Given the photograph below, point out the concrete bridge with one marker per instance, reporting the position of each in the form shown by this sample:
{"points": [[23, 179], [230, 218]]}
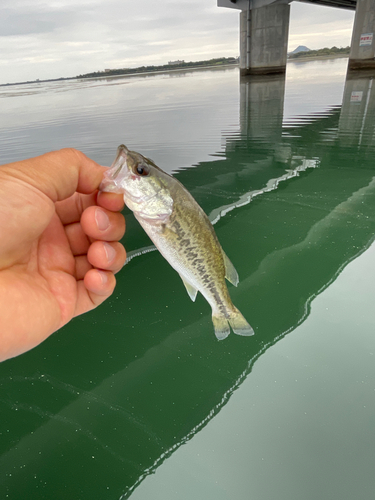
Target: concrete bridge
{"points": [[264, 28]]}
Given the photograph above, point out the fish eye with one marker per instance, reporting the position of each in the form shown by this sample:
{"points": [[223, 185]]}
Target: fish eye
{"points": [[142, 170]]}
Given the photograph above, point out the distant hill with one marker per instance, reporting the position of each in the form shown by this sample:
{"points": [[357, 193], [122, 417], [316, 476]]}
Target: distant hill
{"points": [[300, 48], [302, 51]]}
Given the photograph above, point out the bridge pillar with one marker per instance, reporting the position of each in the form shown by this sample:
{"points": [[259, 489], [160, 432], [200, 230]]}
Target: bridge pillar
{"points": [[264, 39], [357, 117], [362, 50]]}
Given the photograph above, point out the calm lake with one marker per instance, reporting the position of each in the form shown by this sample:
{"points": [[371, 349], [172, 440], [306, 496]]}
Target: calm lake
{"points": [[138, 399]]}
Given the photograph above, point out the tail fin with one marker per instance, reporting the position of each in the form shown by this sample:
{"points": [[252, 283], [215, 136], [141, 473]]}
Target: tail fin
{"points": [[238, 323], [221, 326]]}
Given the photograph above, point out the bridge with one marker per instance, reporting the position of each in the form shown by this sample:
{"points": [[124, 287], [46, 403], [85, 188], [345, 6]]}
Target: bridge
{"points": [[264, 28]]}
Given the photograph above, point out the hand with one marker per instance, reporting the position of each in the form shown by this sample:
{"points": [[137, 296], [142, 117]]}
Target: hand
{"points": [[59, 245]]}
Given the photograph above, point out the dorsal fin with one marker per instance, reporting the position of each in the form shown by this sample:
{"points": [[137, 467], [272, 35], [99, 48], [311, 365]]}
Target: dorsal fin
{"points": [[230, 271]]}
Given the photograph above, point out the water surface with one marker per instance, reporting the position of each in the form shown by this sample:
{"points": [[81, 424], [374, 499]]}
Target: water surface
{"points": [[138, 399]]}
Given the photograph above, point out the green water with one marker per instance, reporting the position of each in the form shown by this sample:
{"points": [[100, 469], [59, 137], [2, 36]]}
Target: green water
{"points": [[138, 399]]}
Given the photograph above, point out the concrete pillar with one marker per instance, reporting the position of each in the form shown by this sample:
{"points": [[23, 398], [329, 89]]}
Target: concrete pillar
{"points": [[362, 50], [357, 117], [264, 39], [261, 120], [262, 107]]}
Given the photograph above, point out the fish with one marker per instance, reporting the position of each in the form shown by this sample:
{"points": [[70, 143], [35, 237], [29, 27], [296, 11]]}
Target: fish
{"points": [[181, 231]]}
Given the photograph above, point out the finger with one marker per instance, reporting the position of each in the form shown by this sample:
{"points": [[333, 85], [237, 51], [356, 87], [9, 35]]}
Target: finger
{"points": [[71, 209], [111, 201], [95, 288], [78, 241], [108, 256], [82, 266], [101, 224], [58, 174]]}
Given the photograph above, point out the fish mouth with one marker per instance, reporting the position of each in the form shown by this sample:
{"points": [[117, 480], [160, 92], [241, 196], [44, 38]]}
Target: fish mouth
{"points": [[117, 173], [120, 161]]}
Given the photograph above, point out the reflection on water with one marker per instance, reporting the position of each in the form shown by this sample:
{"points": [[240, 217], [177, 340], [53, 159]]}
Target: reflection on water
{"points": [[292, 196], [175, 121]]}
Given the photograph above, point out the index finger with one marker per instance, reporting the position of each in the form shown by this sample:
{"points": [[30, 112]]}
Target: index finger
{"points": [[111, 201], [59, 174], [71, 209]]}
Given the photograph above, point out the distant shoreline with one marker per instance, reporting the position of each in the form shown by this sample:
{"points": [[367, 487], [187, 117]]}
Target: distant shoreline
{"points": [[317, 58], [158, 72], [164, 70], [223, 62]]}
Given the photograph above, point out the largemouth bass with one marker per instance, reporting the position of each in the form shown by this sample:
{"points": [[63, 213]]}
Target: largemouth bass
{"points": [[181, 231]]}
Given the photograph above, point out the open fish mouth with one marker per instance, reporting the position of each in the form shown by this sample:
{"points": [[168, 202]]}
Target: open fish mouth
{"points": [[119, 162], [117, 173]]}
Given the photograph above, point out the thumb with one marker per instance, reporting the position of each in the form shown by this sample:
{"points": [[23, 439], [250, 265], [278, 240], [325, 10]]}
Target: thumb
{"points": [[29, 190], [58, 174]]}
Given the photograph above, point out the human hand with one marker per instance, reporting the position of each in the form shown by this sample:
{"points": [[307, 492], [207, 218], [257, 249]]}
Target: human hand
{"points": [[59, 245]]}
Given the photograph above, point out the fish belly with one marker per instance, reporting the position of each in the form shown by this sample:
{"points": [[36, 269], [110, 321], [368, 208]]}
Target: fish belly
{"points": [[199, 263]]}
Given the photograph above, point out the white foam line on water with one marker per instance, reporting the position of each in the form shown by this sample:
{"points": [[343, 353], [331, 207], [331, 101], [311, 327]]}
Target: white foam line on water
{"points": [[245, 199], [271, 185]]}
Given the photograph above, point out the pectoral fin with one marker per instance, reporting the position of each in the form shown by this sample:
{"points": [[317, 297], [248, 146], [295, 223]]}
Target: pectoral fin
{"points": [[230, 272], [191, 290]]}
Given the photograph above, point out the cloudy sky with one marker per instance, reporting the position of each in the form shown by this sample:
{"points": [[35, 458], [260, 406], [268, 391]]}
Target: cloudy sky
{"points": [[54, 38]]}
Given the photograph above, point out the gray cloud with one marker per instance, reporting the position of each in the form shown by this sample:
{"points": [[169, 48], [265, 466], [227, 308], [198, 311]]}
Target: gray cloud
{"points": [[319, 26], [26, 22], [53, 38]]}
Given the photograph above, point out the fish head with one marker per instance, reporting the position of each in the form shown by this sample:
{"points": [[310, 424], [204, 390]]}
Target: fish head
{"points": [[144, 185]]}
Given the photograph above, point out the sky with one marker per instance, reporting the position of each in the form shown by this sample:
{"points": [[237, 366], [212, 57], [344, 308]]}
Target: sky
{"points": [[61, 38]]}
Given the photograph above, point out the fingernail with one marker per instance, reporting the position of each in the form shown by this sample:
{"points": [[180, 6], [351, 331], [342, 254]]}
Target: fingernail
{"points": [[109, 251], [102, 219], [103, 277]]}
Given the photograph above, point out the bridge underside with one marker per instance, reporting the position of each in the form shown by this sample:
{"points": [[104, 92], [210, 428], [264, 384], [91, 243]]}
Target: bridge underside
{"points": [[341, 4], [264, 29]]}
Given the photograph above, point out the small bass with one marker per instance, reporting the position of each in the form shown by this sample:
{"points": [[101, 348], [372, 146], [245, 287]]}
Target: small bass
{"points": [[182, 233]]}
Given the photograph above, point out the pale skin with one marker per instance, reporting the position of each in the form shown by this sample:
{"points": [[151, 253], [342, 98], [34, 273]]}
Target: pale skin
{"points": [[59, 245]]}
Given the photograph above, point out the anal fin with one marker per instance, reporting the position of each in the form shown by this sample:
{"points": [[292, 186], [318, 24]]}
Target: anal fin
{"points": [[191, 290]]}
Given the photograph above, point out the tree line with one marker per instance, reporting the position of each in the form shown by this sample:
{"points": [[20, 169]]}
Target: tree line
{"points": [[320, 52], [164, 67]]}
